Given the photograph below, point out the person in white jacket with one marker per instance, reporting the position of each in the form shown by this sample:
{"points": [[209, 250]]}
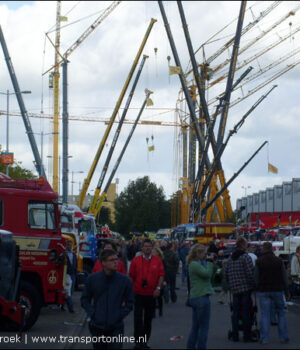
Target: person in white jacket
{"points": [[295, 264]]}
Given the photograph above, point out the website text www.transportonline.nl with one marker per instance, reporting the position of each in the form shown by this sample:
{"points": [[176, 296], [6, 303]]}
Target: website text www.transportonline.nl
{"points": [[62, 339]]}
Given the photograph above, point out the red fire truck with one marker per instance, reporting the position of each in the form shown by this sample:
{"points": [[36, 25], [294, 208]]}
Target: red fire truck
{"points": [[29, 209]]}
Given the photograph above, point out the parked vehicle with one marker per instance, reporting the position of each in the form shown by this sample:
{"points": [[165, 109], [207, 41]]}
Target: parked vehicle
{"points": [[88, 246], [206, 232], [30, 211], [163, 233]]}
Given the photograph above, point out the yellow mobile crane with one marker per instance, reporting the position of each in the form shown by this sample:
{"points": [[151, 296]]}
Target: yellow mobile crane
{"points": [[87, 181]]}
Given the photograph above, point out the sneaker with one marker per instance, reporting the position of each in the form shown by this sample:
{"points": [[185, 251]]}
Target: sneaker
{"points": [[263, 342], [284, 341]]}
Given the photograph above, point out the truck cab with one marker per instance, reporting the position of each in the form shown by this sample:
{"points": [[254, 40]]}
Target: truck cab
{"points": [[29, 209]]}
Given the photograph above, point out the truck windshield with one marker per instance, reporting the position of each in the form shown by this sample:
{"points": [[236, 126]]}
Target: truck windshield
{"points": [[41, 216], [85, 226]]}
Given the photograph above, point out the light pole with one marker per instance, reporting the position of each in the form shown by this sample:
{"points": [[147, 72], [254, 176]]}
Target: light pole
{"points": [[72, 182], [7, 93], [245, 188]]}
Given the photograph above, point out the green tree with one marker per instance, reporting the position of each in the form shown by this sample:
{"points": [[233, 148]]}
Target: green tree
{"points": [[142, 206], [16, 171]]}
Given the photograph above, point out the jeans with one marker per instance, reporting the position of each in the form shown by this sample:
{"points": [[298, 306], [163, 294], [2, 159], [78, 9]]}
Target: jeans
{"points": [[265, 300], [241, 310], [273, 314], [200, 323]]}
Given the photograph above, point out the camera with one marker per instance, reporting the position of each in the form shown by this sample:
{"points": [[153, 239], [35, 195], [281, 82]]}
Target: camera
{"points": [[144, 283]]}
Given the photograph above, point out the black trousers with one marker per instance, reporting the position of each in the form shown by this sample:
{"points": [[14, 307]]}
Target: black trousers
{"points": [[241, 310], [144, 307], [171, 285], [96, 332]]}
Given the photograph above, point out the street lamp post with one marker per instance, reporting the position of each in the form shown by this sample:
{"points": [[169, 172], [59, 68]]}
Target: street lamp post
{"points": [[245, 188], [7, 119]]}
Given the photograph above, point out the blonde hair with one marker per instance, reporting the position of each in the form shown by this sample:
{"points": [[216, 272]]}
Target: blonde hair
{"points": [[159, 252], [194, 252]]}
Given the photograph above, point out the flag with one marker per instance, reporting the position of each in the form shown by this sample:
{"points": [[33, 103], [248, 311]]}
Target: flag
{"points": [[174, 70], [272, 169], [151, 148], [149, 102], [63, 19]]}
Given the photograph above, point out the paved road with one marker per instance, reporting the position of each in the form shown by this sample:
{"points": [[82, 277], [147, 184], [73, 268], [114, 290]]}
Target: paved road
{"points": [[176, 321]]}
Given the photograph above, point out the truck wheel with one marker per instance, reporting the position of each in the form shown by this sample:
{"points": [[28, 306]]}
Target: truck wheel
{"points": [[31, 299]]}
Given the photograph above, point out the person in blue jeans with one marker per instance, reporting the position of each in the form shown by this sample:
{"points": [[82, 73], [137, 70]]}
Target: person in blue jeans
{"points": [[272, 283], [200, 275]]}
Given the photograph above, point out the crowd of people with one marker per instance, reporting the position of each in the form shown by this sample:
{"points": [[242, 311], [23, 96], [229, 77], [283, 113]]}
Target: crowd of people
{"points": [[140, 275]]}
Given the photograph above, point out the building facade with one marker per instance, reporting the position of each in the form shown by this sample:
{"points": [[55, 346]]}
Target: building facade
{"points": [[280, 198]]}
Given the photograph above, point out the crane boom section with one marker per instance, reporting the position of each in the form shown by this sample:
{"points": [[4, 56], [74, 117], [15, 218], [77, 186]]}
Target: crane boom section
{"points": [[116, 136], [261, 35], [86, 33], [115, 168], [38, 162], [229, 84], [114, 114], [245, 30]]}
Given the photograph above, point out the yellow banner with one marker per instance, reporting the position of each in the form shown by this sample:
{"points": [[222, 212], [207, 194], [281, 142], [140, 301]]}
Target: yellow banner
{"points": [[63, 19], [149, 102], [151, 148], [174, 70], [272, 169]]}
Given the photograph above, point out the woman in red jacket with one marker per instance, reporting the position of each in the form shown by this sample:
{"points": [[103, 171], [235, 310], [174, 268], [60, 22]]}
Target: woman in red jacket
{"points": [[98, 266]]}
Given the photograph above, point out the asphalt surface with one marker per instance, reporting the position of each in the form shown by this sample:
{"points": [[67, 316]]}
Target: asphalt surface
{"points": [[175, 322]]}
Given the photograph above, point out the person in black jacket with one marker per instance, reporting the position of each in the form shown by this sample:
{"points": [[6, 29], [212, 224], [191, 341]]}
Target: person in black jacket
{"points": [[171, 267], [272, 283], [107, 299]]}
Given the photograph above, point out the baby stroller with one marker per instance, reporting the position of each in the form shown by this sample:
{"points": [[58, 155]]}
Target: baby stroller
{"points": [[255, 334]]}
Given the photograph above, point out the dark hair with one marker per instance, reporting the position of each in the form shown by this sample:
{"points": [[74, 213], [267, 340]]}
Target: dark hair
{"points": [[267, 247], [110, 243], [241, 242], [147, 240], [105, 254], [298, 249]]}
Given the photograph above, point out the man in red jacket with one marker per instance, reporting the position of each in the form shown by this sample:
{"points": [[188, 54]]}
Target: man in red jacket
{"points": [[98, 266], [147, 275]]}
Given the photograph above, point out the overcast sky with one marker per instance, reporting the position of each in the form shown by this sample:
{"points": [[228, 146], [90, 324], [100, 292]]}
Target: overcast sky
{"points": [[98, 69]]}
